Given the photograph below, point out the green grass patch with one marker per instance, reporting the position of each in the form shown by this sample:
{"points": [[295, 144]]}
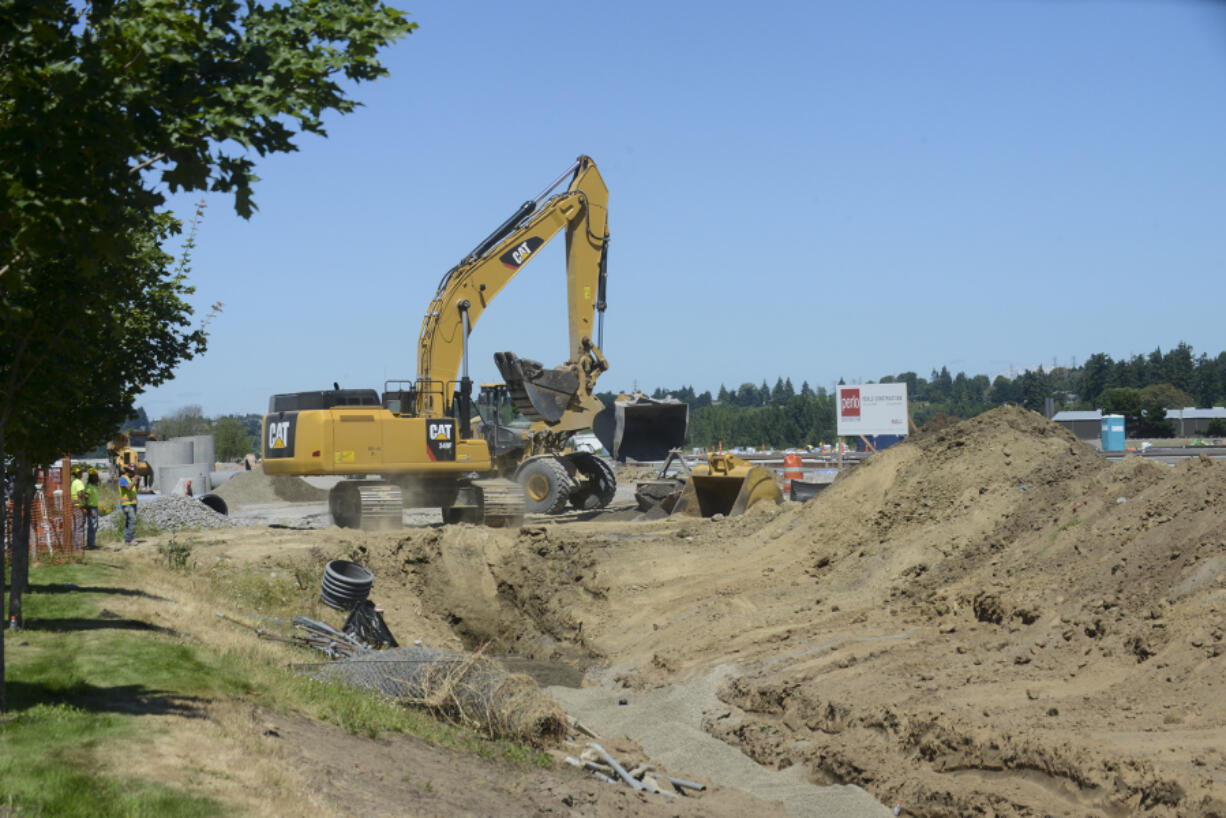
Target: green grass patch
{"points": [[79, 676], [49, 766]]}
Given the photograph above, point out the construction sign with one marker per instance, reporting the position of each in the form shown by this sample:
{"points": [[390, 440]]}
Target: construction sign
{"points": [[873, 409]]}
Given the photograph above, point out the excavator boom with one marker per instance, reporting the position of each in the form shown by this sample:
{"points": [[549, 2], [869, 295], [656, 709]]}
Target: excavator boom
{"points": [[581, 211]]}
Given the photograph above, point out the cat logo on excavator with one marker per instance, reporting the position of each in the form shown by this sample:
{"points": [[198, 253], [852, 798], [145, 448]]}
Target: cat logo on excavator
{"points": [[440, 440], [277, 434]]}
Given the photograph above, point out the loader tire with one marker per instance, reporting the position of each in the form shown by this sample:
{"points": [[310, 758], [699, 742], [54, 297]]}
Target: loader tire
{"points": [[547, 486], [600, 485]]}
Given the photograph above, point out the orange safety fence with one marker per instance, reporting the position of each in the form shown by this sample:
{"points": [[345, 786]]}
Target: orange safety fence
{"points": [[48, 538]]}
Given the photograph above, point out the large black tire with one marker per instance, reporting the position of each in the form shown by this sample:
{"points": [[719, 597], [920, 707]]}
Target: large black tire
{"points": [[547, 486], [600, 486]]}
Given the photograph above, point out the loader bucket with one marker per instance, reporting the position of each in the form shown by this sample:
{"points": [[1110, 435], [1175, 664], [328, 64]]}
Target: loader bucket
{"points": [[538, 393], [726, 485], [642, 428]]}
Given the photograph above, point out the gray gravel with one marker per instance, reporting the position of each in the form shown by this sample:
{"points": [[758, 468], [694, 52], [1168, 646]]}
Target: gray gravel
{"points": [[170, 512]]}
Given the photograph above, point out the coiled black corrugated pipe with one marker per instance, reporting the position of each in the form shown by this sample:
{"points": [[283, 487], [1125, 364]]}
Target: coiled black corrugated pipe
{"points": [[345, 584]]}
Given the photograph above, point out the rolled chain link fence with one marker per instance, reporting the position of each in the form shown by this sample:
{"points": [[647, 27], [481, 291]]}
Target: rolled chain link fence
{"points": [[466, 687]]}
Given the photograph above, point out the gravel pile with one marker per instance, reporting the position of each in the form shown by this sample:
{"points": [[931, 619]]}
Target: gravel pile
{"points": [[170, 512], [254, 487]]}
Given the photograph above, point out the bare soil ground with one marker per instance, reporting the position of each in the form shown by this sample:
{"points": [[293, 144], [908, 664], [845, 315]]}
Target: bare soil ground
{"points": [[989, 619]]}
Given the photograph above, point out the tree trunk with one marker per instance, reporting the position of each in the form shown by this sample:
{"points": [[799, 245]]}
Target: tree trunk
{"points": [[23, 503], [4, 497]]}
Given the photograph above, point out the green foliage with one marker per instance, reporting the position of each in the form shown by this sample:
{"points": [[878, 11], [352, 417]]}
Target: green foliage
{"points": [[177, 554], [95, 98], [97, 93], [1216, 428], [230, 438], [184, 422], [67, 342]]}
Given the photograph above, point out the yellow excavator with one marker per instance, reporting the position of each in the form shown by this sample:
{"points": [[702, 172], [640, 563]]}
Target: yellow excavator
{"points": [[421, 436]]}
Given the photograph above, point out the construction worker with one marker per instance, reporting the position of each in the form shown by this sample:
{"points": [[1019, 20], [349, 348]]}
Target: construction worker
{"points": [[90, 503], [77, 490], [127, 502]]}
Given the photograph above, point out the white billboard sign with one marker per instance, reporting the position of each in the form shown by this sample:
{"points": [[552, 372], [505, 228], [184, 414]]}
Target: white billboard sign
{"points": [[873, 409]]}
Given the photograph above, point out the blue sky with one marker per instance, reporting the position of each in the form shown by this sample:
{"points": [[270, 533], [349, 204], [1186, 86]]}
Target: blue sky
{"points": [[812, 190]]}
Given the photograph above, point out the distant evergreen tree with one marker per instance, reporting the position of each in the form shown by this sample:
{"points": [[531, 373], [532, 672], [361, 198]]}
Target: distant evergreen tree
{"points": [[1034, 390], [777, 396], [912, 381], [1179, 368]]}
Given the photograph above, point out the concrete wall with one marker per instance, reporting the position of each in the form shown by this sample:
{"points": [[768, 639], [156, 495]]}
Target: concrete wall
{"points": [[167, 477], [181, 457], [203, 450], [171, 452]]}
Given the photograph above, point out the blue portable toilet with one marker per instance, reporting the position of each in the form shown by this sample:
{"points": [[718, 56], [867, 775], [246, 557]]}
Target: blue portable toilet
{"points": [[1113, 433]]}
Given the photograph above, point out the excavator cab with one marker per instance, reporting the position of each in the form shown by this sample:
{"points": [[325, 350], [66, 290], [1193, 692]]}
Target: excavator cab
{"points": [[501, 425]]}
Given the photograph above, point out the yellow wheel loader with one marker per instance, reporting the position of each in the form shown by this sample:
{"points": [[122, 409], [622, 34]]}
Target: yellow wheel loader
{"points": [[419, 442], [128, 449]]}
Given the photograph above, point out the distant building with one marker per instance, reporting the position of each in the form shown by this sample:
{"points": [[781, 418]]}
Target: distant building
{"points": [[1086, 425], [1186, 422], [1190, 421]]}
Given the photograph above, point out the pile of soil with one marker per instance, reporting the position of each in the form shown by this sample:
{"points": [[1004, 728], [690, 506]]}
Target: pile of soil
{"points": [[1022, 628], [254, 487]]}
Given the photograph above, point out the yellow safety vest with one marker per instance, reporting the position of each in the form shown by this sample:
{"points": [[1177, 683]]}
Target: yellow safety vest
{"points": [[127, 491]]}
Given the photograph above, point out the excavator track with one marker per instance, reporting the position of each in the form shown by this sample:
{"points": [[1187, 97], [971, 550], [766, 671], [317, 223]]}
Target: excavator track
{"points": [[369, 505], [502, 500]]}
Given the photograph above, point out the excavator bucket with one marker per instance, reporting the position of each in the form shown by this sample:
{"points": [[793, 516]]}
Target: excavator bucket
{"points": [[641, 428], [726, 485], [538, 393]]}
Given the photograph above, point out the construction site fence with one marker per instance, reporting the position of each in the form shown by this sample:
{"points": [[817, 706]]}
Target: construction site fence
{"points": [[57, 525]]}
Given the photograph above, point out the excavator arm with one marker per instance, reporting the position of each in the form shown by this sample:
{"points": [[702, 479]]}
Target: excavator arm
{"points": [[563, 396]]}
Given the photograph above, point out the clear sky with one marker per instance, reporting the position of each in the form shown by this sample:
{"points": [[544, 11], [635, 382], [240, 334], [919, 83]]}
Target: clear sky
{"points": [[813, 190]]}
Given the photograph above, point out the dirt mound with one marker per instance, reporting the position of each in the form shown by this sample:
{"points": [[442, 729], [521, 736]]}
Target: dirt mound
{"points": [[917, 504], [1074, 604], [255, 487]]}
